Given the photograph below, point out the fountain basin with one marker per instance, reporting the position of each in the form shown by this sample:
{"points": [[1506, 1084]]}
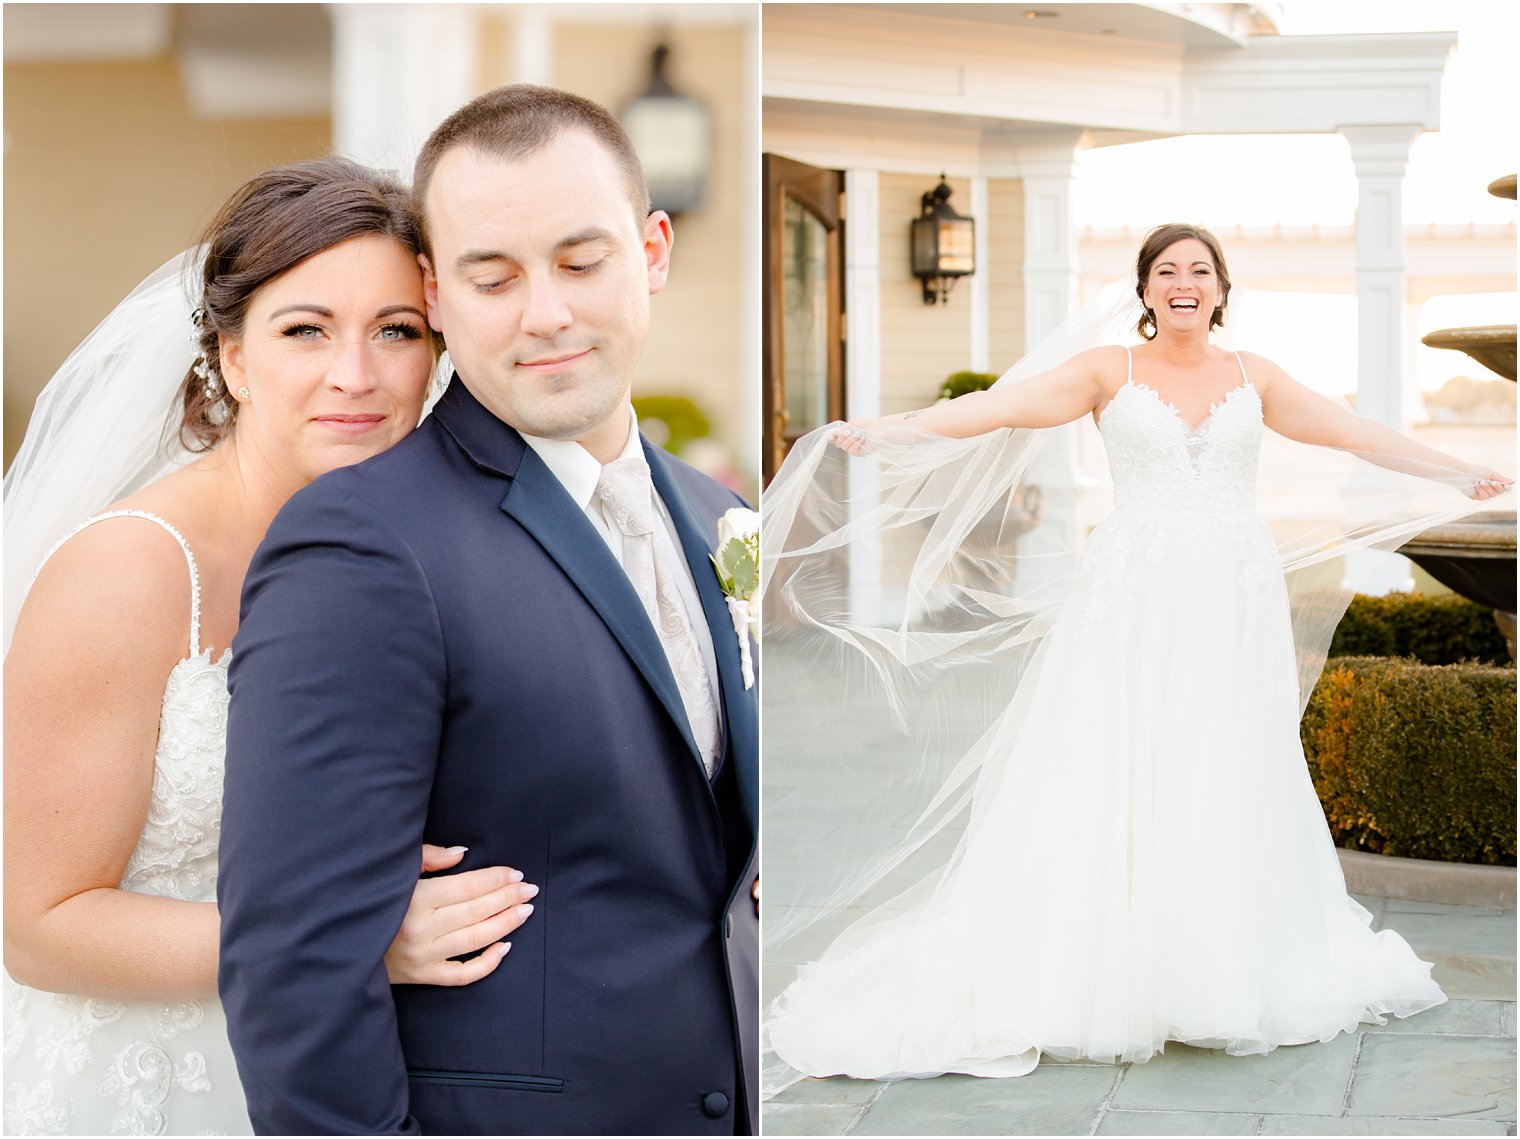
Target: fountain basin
{"points": [[1492, 345]]}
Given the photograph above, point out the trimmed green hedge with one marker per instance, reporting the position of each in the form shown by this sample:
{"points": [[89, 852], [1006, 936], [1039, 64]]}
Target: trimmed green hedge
{"points": [[1415, 760], [1433, 630], [959, 383]]}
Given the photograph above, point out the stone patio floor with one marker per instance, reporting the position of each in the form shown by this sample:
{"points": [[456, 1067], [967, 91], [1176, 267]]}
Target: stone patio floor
{"points": [[1448, 1071]]}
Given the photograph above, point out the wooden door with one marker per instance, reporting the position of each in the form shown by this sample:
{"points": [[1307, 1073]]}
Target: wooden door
{"points": [[804, 303]]}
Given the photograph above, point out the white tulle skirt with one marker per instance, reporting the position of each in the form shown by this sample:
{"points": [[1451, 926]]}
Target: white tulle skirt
{"points": [[1146, 859]]}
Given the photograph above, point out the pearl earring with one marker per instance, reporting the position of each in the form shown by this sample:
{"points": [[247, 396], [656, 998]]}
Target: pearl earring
{"points": [[243, 393]]}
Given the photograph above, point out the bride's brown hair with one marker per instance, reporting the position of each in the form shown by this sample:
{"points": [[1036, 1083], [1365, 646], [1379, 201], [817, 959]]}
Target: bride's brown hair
{"points": [[273, 222], [1157, 241]]}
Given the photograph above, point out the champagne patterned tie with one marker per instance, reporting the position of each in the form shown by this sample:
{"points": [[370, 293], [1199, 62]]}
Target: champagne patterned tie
{"points": [[626, 490]]}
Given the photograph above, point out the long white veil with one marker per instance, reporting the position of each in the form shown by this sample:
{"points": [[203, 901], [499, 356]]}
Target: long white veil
{"points": [[102, 427], [905, 594]]}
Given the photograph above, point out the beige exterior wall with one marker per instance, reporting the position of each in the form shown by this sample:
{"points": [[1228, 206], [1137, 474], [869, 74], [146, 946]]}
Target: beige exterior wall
{"points": [[694, 346], [920, 344], [107, 176], [1005, 273]]}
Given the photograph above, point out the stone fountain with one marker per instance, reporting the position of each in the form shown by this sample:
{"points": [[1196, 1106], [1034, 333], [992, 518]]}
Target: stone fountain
{"points": [[1476, 556]]}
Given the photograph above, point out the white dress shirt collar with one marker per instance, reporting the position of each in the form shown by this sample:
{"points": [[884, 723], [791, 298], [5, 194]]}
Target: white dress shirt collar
{"points": [[574, 466]]}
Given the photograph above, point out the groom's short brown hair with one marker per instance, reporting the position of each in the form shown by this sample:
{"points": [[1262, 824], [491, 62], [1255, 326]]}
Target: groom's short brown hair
{"points": [[516, 120]]}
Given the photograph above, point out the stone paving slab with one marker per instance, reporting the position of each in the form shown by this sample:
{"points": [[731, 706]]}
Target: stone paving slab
{"points": [[1053, 1100], [807, 1119], [1178, 1123], [1309, 1079], [1485, 934], [1454, 1018], [1473, 977], [1471, 1077], [834, 1090], [1380, 1125]]}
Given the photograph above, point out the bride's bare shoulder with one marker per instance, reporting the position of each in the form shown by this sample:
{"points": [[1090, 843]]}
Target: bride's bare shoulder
{"points": [[1261, 371]]}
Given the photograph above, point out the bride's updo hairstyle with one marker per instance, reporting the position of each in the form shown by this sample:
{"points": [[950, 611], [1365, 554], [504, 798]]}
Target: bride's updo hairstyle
{"points": [[1155, 243], [270, 225]]}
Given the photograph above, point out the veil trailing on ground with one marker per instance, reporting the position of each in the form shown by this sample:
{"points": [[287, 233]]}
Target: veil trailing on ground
{"points": [[103, 427], [905, 597]]}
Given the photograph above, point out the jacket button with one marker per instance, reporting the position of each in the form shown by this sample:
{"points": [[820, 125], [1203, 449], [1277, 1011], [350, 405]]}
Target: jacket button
{"points": [[714, 1105]]}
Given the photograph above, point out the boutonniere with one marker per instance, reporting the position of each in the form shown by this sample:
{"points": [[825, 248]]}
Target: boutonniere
{"points": [[738, 565]]}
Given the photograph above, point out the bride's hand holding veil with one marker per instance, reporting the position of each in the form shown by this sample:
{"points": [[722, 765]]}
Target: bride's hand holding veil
{"points": [[1299, 413]]}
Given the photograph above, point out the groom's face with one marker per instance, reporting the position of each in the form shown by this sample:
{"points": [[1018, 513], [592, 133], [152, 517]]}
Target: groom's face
{"points": [[540, 282]]}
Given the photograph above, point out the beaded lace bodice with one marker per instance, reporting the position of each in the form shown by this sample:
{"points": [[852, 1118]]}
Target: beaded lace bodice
{"points": [[1160, 462], [77, 1064], [1169, 474]]}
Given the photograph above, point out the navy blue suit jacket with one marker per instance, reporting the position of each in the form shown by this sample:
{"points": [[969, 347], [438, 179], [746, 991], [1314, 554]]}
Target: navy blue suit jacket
{"points": [[436, 645]]}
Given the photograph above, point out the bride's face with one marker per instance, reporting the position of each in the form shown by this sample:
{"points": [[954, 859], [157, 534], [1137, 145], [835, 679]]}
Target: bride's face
{"points": [[1182, 287], [335, 358]]}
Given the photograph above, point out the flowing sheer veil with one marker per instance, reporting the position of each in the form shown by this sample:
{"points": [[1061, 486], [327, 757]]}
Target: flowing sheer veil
{"points": [[905, 597], [102, 428]]}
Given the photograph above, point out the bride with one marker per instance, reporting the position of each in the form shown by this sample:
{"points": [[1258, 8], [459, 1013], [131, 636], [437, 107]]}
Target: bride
{"points": [[310, 351], [1069, 814]]}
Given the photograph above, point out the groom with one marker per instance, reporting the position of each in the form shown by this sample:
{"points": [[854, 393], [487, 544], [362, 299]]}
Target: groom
{"points": [[504, 633]]}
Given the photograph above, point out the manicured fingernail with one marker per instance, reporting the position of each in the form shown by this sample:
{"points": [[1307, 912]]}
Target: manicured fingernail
{"points": [[514, 875], [526, 909], [529, 891], [506, 947], [455, 849]]}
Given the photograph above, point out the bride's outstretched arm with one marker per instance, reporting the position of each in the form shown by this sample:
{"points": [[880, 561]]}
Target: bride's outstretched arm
{"points": [[1295, 411], [1066, 392]]}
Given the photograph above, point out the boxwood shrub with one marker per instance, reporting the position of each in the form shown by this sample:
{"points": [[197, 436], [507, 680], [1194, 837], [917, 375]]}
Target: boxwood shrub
{"points": [[1433, 630], [1415, 760]]}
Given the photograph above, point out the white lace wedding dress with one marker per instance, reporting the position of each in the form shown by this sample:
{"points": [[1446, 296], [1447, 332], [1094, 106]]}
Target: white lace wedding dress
{"points": [[82, 1066], [1146, 859]]}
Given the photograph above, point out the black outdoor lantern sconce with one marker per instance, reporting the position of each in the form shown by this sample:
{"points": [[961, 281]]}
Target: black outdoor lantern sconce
{"points": [[944, 244], [673, 135]]}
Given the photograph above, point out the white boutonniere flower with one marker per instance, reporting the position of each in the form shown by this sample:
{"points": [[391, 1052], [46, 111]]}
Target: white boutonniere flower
{"points": [[738, 566]]}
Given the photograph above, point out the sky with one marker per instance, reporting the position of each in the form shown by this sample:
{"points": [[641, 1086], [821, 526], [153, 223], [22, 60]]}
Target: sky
{"points": [[1301, 180]]}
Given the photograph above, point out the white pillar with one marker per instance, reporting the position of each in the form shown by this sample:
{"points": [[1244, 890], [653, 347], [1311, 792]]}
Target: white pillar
{"points": [[981, 290], [1050, 279], [862, 292], [398, 71], [532, 45], [1380, 155], [751, 335], [862, 373]]}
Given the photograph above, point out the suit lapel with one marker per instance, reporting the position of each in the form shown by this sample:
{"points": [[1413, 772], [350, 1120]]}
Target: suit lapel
{"points": [[540, 505], [697, 545]]}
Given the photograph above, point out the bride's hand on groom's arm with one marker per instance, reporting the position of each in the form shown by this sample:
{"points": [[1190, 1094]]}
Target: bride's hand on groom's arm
{"points": [[456, 914]]}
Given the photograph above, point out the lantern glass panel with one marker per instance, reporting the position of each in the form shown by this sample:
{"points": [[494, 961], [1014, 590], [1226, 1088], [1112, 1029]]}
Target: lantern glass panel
{"points": [[957, 247]]}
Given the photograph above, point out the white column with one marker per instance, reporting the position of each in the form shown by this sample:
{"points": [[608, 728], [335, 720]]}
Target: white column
{"points": [[862, 292], [1050, 279], [1380, 155], [751, 334], [398, 71], [862, 373], [532, 45], [981, 290]]}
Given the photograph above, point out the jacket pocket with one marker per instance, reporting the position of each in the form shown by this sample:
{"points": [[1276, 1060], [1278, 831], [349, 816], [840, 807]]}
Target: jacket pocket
{"points": [[485, 1080]]}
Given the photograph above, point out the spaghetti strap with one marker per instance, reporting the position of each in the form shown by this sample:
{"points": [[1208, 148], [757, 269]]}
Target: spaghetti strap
{"points": [[1129, 365], [195, 577], [1241, 364]]}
